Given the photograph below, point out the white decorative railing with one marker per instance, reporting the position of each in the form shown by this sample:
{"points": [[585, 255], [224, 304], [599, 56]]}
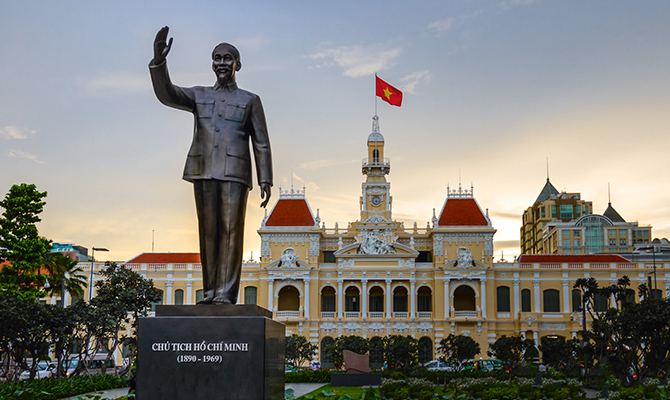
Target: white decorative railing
{"points": [[503, 315], [550, 266], [327, 314], [351, 314], [600, 266], [525, 265], [288, 314], [179, 266], [465, 314], [399, 315], [376, 314], [425, 314]]}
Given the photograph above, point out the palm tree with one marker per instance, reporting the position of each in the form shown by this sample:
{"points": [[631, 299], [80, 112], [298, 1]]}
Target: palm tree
{"points": [[62, 268]]}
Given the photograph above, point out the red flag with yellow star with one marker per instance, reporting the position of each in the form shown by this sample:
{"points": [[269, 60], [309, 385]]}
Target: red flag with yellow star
{"points": [[388, 93]]}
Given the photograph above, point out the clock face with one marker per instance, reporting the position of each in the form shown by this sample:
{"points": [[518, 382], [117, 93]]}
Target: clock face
{"points": [[376, 200]]}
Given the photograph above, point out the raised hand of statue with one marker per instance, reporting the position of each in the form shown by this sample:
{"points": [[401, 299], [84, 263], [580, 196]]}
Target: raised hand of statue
{"points": [[265, 194], [161, 47]]}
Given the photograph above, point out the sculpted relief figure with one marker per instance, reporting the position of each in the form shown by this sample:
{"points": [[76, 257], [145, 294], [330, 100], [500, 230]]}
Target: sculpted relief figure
{"points": [[289, 258], [464, 257], [227, 119]]}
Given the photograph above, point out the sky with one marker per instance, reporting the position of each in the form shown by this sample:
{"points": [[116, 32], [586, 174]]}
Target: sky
{"points": [[493, 92]]}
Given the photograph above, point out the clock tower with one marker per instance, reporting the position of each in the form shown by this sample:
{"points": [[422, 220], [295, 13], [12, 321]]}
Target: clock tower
{"points": [[376, 199]]}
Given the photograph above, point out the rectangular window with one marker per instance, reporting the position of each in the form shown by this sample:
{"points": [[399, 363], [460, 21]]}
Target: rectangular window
{"points": [[329, 256], [566, 211], [578, 211], [566, 242], [525, 300], [576, 233], [565, 233], [622, 242], [622, 232], [612, 242], [646, 234], [601, 302], [250, 295], [611, 232], [576, 242], [503, 298], [576, 300], [552, 301], [553, 211], [578, 251], [542, 212]]}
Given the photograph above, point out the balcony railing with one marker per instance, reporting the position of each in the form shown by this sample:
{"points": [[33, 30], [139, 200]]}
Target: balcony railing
{"points": [[288, 314], [425, 314], [376, 314], [466, 314], [400, 315], [327, 314], [352, 314]]}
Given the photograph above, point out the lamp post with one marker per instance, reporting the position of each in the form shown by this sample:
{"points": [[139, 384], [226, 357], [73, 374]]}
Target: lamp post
{"points": [[90, 285]]}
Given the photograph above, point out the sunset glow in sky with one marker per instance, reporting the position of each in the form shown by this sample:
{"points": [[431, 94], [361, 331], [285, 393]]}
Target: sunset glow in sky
{"points": [[492, 89]]}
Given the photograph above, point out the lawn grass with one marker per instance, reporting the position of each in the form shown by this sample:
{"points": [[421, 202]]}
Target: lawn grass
{"points": [[354, 392]]}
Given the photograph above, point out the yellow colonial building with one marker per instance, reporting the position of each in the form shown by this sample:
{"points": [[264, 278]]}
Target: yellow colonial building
{"points": [[376, 277]]}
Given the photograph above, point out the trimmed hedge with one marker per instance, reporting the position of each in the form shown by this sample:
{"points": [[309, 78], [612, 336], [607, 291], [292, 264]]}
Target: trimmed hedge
{"points": [[54, 389]]}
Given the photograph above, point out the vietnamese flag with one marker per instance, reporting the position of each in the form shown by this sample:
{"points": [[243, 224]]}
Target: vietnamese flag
{"points": [[388, 93]]}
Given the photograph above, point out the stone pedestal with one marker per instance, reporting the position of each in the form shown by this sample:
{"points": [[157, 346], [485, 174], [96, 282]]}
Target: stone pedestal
{"points": [[210, 352]]}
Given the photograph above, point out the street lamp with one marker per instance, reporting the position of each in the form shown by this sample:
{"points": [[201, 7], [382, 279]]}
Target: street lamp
{"points": [[90, 286]]}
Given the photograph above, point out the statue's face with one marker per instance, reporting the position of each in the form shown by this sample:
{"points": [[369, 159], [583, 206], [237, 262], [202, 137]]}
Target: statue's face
{"points": [[224, 65]]}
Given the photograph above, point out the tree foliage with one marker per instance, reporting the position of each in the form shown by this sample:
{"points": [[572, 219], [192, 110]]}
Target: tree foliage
{"points": [[21, 247], [458, 349], [510, 349], [402, 350], [353, 343], [62, 269], [299, 350]]}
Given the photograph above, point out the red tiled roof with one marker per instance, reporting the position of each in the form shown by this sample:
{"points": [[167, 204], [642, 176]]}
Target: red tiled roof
{"points": [[290, 212], [572, 258], [166, 258], [462, 212]]}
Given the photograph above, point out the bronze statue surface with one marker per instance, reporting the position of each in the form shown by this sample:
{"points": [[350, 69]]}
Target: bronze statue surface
{"points": [[218, 164]]}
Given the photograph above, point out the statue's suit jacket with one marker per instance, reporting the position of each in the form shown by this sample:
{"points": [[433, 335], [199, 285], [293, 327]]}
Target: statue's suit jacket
{"points": [[226, 118]]}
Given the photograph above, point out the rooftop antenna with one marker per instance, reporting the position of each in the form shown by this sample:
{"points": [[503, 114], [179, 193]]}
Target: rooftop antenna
{"points": [[152, 240], [609, 198], [547, 168]]}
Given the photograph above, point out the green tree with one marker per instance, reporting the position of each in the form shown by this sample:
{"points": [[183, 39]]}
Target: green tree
{"points": [[299, 350], [353, 343], [458, 349], [510, 350], [558, 352], [61, 268], [20, 244], [401, 350], [121, 298]]}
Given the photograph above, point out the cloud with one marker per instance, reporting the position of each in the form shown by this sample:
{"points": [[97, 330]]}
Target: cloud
{"points": [[507, 4], [505, 215], [117, 83], [23, 154], [358, 60], [16, 132], [414, 78], [443, 25]]}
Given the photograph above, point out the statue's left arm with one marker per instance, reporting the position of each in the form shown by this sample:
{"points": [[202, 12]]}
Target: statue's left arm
{"points": [[260, 142]]}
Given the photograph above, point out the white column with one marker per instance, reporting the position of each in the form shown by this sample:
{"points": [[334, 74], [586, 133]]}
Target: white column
{"points": [[271, 294], [446, 298], [516, 298], [65, 296], [389, 296], [168, 292], [482, 285], [364, 299], [340, 299], [305, 296], [412, 302], [189, 292], [536, 292], [566, 295], [536, 338]]}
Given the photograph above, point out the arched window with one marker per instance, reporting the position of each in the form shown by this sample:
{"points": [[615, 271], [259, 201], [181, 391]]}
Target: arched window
{"points": [[552, 301], [525, 300], [160, 301], [375, 156], [601, 302], [326, 356], [576, 300], [289, 299], [352, 299], [178, 297], [400, 299], [199, 295], [328, 299], [503, 298], [250, 295], [425, 349], [464, 299], [424, 300], [376, 299]]}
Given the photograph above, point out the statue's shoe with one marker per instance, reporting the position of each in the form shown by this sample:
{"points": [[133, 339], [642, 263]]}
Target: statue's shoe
{"points": [[206, 300], [222, 300]]}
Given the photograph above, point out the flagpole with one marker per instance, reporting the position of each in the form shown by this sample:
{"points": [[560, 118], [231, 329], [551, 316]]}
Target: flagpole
{"points": [[375, 93]]}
